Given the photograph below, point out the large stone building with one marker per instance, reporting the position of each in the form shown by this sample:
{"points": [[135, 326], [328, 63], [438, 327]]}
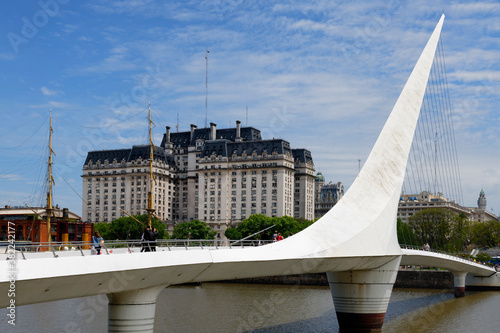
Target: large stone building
{"points": [[220, 176], [325, 195], [410, 204]]}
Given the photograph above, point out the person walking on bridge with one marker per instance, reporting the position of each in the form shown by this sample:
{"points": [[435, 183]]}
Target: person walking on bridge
{"points": [[146, 239], [154, 236], [97, 240]]}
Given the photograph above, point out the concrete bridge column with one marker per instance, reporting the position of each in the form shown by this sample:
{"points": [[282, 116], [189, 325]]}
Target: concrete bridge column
{"points": [[361, 297], [459, 279], [133, 311]]}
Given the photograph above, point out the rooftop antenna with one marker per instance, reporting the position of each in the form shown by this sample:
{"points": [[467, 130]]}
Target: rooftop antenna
{"points": [[246, 120], [359, 165], [177, 126], [206, 86]]}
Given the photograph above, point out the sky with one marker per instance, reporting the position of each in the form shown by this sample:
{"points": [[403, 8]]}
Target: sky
{"points": [[323, 75]]}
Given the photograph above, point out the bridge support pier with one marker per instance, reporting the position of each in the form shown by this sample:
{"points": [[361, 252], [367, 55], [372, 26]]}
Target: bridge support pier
{"points": [[133, 311], [361, 297], [459, 283]]}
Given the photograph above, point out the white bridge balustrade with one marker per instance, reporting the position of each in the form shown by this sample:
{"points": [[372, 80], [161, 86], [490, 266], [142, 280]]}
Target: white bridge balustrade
{"points": [[355, 243], [26, 250], [465, 271]]}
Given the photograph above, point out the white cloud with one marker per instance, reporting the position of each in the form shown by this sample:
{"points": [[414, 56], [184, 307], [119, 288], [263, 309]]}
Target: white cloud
{"points": [[11, 177], [48, 92], [476, 8], [7, 56], [85, 39], [117, 61], [54, 104], [485, 76]]}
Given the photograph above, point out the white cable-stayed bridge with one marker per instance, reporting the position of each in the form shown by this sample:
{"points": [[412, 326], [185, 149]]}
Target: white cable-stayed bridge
{"points": [[355, 243]]}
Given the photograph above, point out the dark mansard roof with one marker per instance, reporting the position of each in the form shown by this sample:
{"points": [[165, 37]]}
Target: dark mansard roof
{"points": [[183, 139], [227, 148], [303, 155], [129, 154]]}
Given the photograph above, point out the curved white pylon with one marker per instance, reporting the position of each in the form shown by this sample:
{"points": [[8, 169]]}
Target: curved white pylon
{"points": [[363, 221]]}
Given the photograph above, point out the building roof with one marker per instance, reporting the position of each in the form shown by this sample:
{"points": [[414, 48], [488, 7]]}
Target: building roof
{"points": [[227, 148], [183, 139], [302, 154], [129, 154], [319, 178], [17, 212]]}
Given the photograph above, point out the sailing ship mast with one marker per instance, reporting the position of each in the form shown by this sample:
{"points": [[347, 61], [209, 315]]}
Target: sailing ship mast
{"points": [[49, 209], [150, 208]]}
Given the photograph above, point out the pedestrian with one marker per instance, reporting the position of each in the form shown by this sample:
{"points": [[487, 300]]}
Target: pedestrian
{"points": [[427, 247], [275, 235], [279, 237], [154, 236], [146, 239], [98, 241]]}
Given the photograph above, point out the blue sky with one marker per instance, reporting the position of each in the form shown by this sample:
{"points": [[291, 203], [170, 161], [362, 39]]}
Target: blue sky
{"points": [[323, 75]]}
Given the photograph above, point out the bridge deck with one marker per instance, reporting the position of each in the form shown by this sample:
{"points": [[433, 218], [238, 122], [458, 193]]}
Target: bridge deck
{"points": [[412, 256]]}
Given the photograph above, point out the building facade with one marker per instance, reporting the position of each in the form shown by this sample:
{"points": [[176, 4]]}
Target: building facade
{"points": [[325, 195], [30, 224], [410, 204], [217, 176]]}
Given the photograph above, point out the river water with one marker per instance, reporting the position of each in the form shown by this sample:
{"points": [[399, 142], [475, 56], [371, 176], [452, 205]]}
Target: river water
{"points": [[227, 307]]}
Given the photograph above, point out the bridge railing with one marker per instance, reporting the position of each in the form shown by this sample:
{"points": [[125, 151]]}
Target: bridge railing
{"points": [[127, 246], [444, 253]]}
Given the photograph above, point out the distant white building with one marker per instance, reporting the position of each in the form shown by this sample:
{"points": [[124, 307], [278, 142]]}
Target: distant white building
{"points": [[410, 204]]}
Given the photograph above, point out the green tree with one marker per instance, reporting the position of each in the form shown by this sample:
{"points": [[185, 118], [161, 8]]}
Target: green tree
{"points": [[285, 225], [432, 226], [257, 222], [459, 236], [406, 234], [303, 223], [193, 230], [128, 228], [484, 257], [233, 234], [486, 234]]}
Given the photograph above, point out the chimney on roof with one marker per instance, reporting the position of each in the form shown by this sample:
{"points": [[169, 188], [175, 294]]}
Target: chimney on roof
{"points": [[238, 131], [167, 139], [65, 213], [193, 127], [213, 131], [167, 145]]}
